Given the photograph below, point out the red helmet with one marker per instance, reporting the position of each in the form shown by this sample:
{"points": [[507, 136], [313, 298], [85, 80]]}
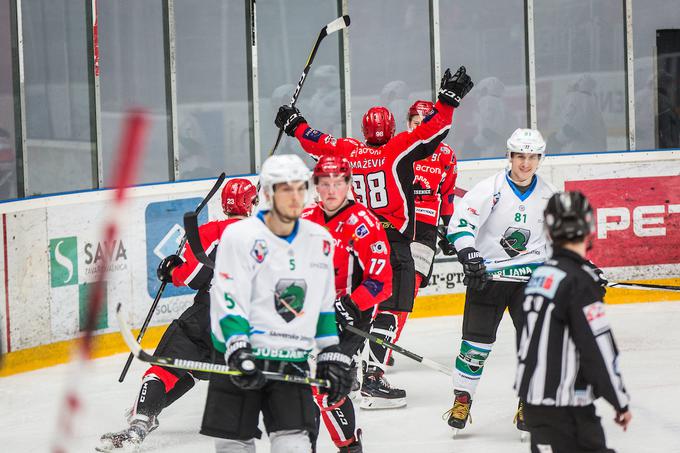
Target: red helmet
{"points": [[332, 166], [238, 197], [421, 108], [378, 125]]}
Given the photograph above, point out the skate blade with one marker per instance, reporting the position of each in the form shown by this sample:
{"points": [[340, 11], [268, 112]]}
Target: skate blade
{"points": [[355, 395], [524, 436], [371, 403], [107, 446], [454, 432]]}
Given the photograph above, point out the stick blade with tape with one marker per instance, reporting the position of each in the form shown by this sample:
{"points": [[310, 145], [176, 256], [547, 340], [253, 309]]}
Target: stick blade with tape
{"points": [[338, 24]]}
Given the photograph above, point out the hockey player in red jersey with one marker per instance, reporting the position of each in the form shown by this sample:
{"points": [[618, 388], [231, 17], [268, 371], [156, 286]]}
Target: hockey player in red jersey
{"points": [[187, 337], [435, 181], [363, 276], [433, 187], [382, 180]]}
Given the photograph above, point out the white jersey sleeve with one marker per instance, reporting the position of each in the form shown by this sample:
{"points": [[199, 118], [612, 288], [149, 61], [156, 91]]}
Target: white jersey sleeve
{"points": [[471, 212]]}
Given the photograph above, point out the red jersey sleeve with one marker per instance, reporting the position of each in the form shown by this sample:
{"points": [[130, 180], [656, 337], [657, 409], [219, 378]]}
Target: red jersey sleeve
{"points": [[373, 252], [448, 185], [319, 144], [192, 273], [423, 141]]}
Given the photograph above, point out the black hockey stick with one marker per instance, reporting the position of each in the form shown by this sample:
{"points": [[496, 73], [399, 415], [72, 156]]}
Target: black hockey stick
{"points": [[192, 365], [194, 239], [642, 286], [338, 24], [424, 360], [159, 293]]}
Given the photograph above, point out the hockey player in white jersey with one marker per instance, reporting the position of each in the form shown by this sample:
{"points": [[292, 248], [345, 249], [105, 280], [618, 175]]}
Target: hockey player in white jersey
{"points": [[271, 304], [497, 228]]}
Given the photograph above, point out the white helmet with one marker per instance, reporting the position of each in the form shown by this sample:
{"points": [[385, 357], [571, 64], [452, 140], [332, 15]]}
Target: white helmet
{"points": [[281, 168], [526, 141]]}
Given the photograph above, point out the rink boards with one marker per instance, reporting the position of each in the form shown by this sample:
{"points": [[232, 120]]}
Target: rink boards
{"points": [[51, 250]]}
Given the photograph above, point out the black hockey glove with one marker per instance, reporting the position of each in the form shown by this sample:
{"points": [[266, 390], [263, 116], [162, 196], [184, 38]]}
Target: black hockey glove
{"points": [[334, 365], [602, 280], [167, 264], [288, 119], [473, 267], [346, 311], [240, 358], [453, 88]]}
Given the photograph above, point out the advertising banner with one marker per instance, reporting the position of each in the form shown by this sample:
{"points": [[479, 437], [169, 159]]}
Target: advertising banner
{"points": [[638, 219]]}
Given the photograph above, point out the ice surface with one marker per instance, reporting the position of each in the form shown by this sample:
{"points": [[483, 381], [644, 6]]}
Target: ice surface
{"points": [[648, 336]]}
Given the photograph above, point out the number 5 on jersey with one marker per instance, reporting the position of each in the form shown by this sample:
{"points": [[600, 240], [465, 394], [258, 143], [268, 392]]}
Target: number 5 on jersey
{"points": [[374, 184]]}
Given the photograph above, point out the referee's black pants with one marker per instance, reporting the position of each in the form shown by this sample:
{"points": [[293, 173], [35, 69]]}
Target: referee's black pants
{"points": [[565, 429]]}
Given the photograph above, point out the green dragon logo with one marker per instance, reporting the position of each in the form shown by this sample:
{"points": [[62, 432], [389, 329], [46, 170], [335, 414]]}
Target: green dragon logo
{"points": [[515, 240], [289, 298]]}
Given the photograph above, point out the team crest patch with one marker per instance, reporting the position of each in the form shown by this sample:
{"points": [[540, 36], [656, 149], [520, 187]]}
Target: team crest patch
{"points": [[515, 240], [352, 220], [326, 247], [361, 231], [289, 298], [259, 250]]}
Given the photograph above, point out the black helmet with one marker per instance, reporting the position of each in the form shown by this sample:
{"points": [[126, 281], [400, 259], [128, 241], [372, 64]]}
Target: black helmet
{"points": [[569, 217]]}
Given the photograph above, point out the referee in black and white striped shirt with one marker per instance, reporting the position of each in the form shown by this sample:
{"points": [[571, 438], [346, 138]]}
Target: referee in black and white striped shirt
{"points": [[567, 354]]}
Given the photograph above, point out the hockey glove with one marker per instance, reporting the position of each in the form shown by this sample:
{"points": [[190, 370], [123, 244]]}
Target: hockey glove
{"points": [[334, 365], [473, 267], [601, 279], [288, 119], [453, 88], [240, 358], [165, 268], [346, 311], [445, 245]]}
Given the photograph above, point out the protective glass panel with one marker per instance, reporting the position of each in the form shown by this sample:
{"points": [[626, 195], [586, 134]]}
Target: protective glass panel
{"points": [[8, 167], [391, 64], [488, 39], [132, 76], [657, 77], [212, 88], [580, 78], [59, 142], [285, 39]]}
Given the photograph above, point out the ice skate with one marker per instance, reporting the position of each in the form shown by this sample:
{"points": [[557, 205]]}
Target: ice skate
{"points": [[355, 446], [519, 422], [128, 440], [130, 416], [460, 412], [377, 393]]}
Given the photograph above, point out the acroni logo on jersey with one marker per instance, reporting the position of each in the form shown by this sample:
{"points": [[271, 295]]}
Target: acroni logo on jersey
{"points": [[164, 232], [289, 298]]}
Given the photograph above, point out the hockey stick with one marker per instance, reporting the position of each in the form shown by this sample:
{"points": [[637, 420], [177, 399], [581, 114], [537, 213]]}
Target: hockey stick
{"points": [[338, 24], [192, 365], [135, 128], [424, 360], [641, 286], [194, 239], [159, 293]]}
